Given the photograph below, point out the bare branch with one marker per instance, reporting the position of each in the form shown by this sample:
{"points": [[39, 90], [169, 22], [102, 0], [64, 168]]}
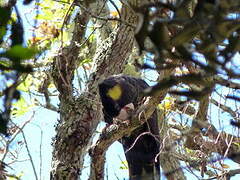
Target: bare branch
{"points": [[29, 154], [115, 6], [224, 108], [19, 129], [105, 19], [167, 160], [226, 83]]}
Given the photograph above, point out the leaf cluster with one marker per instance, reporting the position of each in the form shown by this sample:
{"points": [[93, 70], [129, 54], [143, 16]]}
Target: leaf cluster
{"points": [[201, 36], [13, 58]]}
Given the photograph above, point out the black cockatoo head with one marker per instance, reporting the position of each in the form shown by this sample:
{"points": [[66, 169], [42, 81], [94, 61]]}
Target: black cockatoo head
{"points": [[117, 91]]}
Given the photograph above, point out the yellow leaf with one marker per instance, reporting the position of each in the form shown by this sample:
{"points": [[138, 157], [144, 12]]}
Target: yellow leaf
{"points": [[225, 166], [115, 93], [21, 107], [160, 106], [167, 105], [114, 14], [15, 177], [124, 165], [20, 174], [11, 178]]}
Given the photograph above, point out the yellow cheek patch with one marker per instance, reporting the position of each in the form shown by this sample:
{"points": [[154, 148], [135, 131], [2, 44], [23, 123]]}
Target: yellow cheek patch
{"points": [[115, 92]]}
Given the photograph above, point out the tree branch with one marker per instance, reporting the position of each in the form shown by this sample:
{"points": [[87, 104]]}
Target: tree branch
{"points": [[224, 108]]}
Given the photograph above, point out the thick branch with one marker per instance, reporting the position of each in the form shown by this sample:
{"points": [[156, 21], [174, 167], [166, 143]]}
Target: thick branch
{"points": [[66, 62], [169, 163], [201, 117], [64, 163]]}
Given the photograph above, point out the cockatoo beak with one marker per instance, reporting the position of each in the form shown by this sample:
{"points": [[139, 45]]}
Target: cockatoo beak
{"points": [[125, 112]]}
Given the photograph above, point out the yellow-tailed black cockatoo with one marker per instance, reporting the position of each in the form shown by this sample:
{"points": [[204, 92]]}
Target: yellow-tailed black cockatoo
{"points": [[119, 93]]}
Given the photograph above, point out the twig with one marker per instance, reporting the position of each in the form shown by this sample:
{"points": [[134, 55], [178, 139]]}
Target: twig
{"points": [[133, 144], [48, 106], [115, 6], [14, 136], [20, 129], [105, 19], [224, 108], [226, 83], [40, 147], [228, 174], [29, 154]]}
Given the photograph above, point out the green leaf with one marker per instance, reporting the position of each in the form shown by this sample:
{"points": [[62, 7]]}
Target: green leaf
{"points": [[124, 165], [3, 124], [85, 61], [21, 52], [5, 63], [5, 15], [130, 69], [21, 107], [24, 86], [92, 38], [44, 17], [15, 177], [17, 33], [2, 32]]}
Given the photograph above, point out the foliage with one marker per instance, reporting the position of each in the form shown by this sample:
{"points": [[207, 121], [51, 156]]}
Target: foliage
{"points": [[206, 36], [198, 41], [21, 107], [13, 58]]}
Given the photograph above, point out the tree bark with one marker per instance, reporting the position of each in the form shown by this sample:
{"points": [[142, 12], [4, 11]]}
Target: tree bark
{"points": [[65, 164]]}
